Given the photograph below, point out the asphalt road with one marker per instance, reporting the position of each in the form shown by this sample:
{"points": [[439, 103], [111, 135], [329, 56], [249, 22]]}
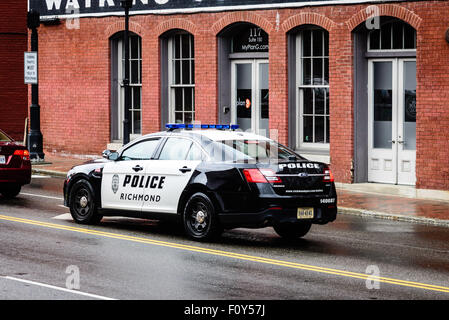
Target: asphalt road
{"points": [[45, 255]]}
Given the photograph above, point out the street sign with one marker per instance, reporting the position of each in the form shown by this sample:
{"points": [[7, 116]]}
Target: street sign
{"points": [[30, 67]]}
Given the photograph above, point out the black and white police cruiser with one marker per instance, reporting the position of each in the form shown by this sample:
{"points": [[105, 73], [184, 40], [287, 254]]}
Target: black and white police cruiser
{"points": [[210, 178]]}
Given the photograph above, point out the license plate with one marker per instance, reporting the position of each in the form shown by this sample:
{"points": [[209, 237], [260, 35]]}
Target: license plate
{"points": [[2, 160], [305, 213]]}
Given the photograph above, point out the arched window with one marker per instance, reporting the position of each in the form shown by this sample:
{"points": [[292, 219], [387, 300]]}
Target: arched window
{"points": [[243, 77], [178, 77], [312, 79], [118, 90], [393, 35]]}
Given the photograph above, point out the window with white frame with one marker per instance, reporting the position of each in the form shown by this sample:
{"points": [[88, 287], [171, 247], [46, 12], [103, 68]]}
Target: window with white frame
{"points": [[135, 82], [181, 78], [312, 63]]}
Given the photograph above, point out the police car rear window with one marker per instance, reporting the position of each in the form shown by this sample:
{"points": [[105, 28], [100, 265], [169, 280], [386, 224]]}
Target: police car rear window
{"points": [[175, 149], [259, 150]]}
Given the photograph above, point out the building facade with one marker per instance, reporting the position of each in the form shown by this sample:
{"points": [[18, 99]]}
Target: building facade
{"points": [[362, 85], [13, 44]]}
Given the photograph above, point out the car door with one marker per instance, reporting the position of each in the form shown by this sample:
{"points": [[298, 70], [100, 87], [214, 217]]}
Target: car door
{"points": [[123, 181], [172, 171]]}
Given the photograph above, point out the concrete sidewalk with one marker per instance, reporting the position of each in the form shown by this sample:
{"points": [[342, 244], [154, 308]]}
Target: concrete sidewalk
{"points": [[375, 200]]}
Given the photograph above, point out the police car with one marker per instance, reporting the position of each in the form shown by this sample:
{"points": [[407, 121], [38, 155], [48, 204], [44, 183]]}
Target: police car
{"points": [[210, 178]]}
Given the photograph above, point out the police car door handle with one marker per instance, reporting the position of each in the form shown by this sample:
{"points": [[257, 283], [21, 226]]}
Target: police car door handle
{"points": [[185, 169], [137, 168]]}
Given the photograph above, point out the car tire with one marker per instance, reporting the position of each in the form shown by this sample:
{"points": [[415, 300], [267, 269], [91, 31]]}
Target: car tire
{"points": [[200, 219], [82, 203], [292, 230], [11, 191]]}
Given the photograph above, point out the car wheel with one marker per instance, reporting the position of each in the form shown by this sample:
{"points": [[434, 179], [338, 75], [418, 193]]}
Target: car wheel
{"points": [[82, 203], [200, 219], [292, 230], [11, 191]]}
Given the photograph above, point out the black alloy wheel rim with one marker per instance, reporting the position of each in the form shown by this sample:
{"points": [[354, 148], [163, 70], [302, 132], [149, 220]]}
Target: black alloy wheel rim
{"points": [[198, 218], [82, 202]]}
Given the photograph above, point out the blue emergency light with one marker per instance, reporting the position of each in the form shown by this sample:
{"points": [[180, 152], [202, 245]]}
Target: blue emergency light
{"points": [[173, 126]]}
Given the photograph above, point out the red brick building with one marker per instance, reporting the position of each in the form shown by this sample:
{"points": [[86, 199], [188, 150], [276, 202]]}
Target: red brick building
{"points": [[13, 44], [363, 85]]}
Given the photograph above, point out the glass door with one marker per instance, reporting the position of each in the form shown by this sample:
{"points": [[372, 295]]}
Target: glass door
{"points": [[250, 95], [243, 94], [406, 140], [392, 121]]}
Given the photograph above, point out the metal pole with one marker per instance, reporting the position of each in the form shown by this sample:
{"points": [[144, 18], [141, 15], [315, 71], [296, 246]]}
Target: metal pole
{"points": [[35, 139], [126, 4]]}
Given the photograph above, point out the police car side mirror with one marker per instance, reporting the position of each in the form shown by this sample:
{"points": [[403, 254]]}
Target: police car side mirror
{"points": [[113, 156], [108, 154]]}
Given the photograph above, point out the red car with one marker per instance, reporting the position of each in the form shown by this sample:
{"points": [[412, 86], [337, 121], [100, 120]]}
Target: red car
{"points": [[15, 166]]}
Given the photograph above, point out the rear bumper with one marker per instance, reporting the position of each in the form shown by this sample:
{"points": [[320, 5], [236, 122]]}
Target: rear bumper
{"points": [[19, 176], [270, 217], [266, 208]]}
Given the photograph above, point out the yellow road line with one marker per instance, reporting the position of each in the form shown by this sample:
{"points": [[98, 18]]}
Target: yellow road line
{"points": [[229, 254]]}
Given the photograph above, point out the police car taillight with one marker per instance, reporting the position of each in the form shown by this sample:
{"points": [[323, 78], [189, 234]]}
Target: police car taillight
{"points": [[328, 176], [261, 176], [254, 175]]}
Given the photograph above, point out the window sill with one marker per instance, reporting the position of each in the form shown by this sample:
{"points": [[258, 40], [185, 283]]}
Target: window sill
{"points": [[315, 155]]}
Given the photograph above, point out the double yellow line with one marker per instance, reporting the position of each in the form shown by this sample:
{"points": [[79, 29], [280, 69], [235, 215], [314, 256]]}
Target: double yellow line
{"points": [[228, 254]]}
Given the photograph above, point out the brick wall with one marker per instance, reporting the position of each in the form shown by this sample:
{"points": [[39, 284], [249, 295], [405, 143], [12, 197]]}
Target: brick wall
{"points": [[75, 77], [13, 91]]}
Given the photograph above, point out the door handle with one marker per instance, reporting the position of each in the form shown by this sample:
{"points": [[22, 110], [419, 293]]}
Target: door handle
{"points": [[401, 141], [185, 169], [392, 141], [137, 168]]}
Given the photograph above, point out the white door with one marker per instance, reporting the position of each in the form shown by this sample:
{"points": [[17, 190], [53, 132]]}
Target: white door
{"points": [[124, 181], [250, 95], [177, 162], [119, 185], [392, 121]]}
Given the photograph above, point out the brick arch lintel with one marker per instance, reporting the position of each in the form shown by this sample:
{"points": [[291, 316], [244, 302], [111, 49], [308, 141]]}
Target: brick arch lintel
{"points": [[308, 18], [120, 26], [241, 16], [176, 23], [391, 10]]}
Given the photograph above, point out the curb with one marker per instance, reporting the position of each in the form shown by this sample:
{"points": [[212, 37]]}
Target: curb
{"points": [[52, 173], [394, 217]]}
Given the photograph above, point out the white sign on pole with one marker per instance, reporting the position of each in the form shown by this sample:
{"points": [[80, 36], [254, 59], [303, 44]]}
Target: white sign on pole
{"points": [[30, 68]]}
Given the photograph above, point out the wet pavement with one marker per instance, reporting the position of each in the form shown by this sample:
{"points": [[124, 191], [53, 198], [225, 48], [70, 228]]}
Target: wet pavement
{"points": [[435, 212], [125, 258], [394, 205]]}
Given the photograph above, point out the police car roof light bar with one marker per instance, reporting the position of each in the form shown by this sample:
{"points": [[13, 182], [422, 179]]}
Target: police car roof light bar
{"points": [[173, 126]]}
